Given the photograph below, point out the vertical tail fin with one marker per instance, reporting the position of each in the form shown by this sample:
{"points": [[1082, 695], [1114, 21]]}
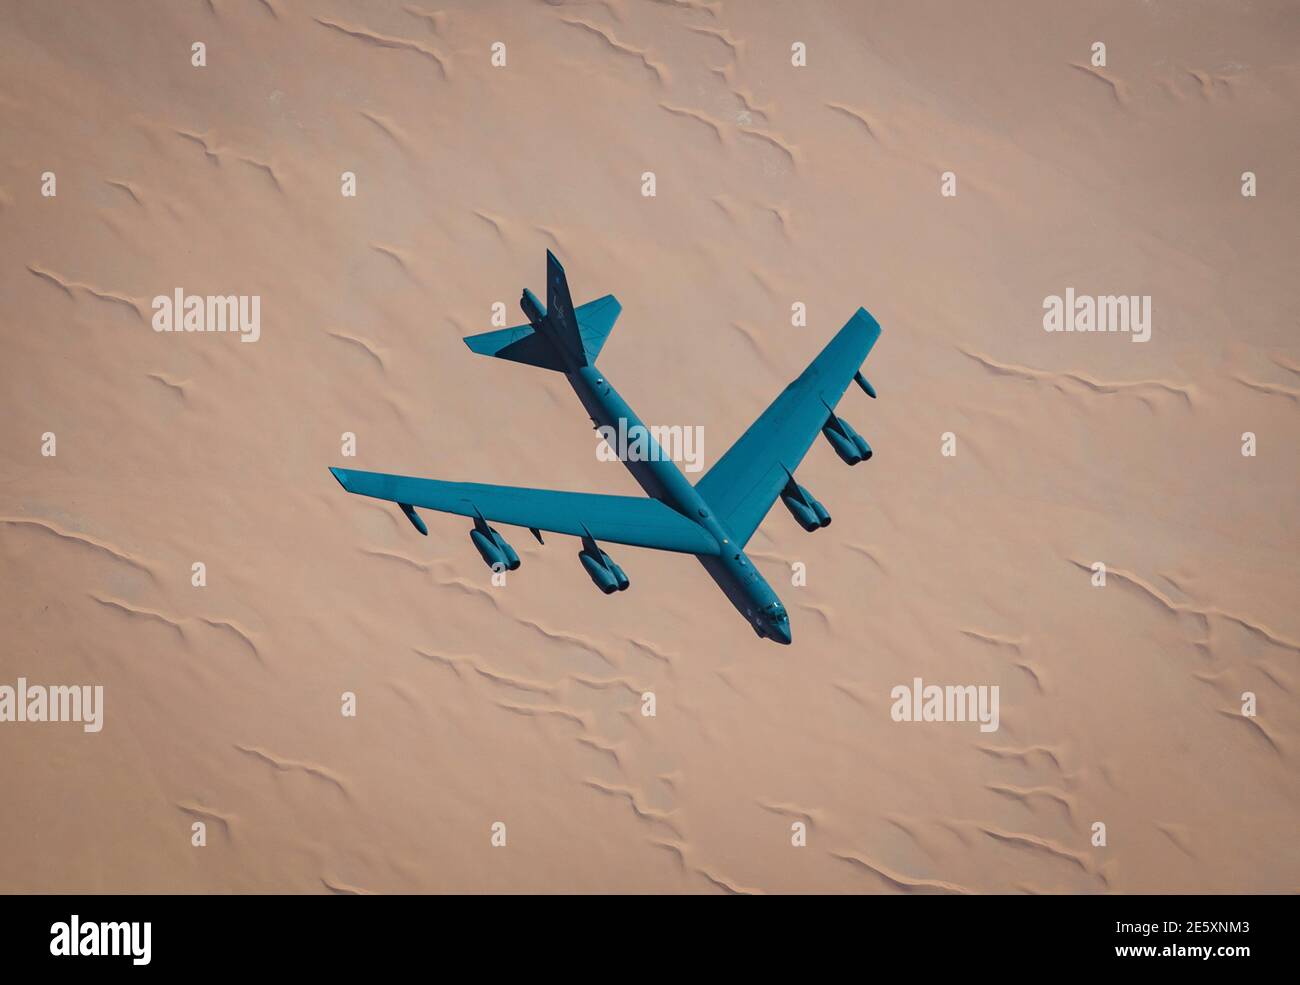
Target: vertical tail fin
{"points": [[559, 309], [583, 330], [561, 337]]}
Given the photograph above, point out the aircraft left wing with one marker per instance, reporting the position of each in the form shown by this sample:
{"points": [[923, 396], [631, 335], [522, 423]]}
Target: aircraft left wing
{"points": [[744, 483], [634, 520]]}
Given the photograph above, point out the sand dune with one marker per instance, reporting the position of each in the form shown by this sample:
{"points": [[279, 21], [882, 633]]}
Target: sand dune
{"points": [[523, 704]]}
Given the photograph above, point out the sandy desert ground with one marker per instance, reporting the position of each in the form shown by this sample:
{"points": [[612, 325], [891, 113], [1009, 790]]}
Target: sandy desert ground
{"points": [[775, 184]]}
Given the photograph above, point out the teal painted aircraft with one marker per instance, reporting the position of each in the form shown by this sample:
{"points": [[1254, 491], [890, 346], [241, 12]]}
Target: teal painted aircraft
{"points": [[713, 519]]}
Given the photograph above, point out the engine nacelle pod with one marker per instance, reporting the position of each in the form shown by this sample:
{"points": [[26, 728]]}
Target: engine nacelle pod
{"points": [[494, 549], [844, 445], [606, 575], [620, 579], [802, 514], [601, 576], [512, 559], [823, 517], [848, 444], [487, 549], [808, 513], [859, 442]]}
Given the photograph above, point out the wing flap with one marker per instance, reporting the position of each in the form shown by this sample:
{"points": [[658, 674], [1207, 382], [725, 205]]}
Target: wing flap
{"points": [[632, 520]]}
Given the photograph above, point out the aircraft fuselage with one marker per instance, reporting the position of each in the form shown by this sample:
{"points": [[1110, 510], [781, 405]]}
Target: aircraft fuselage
{"points": [[661, 479]]}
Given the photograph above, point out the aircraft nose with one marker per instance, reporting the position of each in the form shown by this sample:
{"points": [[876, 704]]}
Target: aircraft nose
{"points": [[781, 634]]}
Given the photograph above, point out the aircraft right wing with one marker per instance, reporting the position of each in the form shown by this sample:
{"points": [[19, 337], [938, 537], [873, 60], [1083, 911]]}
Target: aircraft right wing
{"points": [[744, 483], [635, 520]]}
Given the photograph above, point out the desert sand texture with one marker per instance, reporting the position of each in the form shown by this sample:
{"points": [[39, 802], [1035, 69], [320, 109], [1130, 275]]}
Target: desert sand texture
{"points": [[775, 185]]}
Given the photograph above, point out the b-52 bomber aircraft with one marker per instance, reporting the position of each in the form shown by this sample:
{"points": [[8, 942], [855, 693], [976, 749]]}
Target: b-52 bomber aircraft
{"points": [[714, 519]]}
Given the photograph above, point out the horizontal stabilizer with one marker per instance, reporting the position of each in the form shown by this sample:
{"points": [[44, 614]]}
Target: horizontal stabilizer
{"points": [[595, 322], [521, 344], [559, 336]]}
